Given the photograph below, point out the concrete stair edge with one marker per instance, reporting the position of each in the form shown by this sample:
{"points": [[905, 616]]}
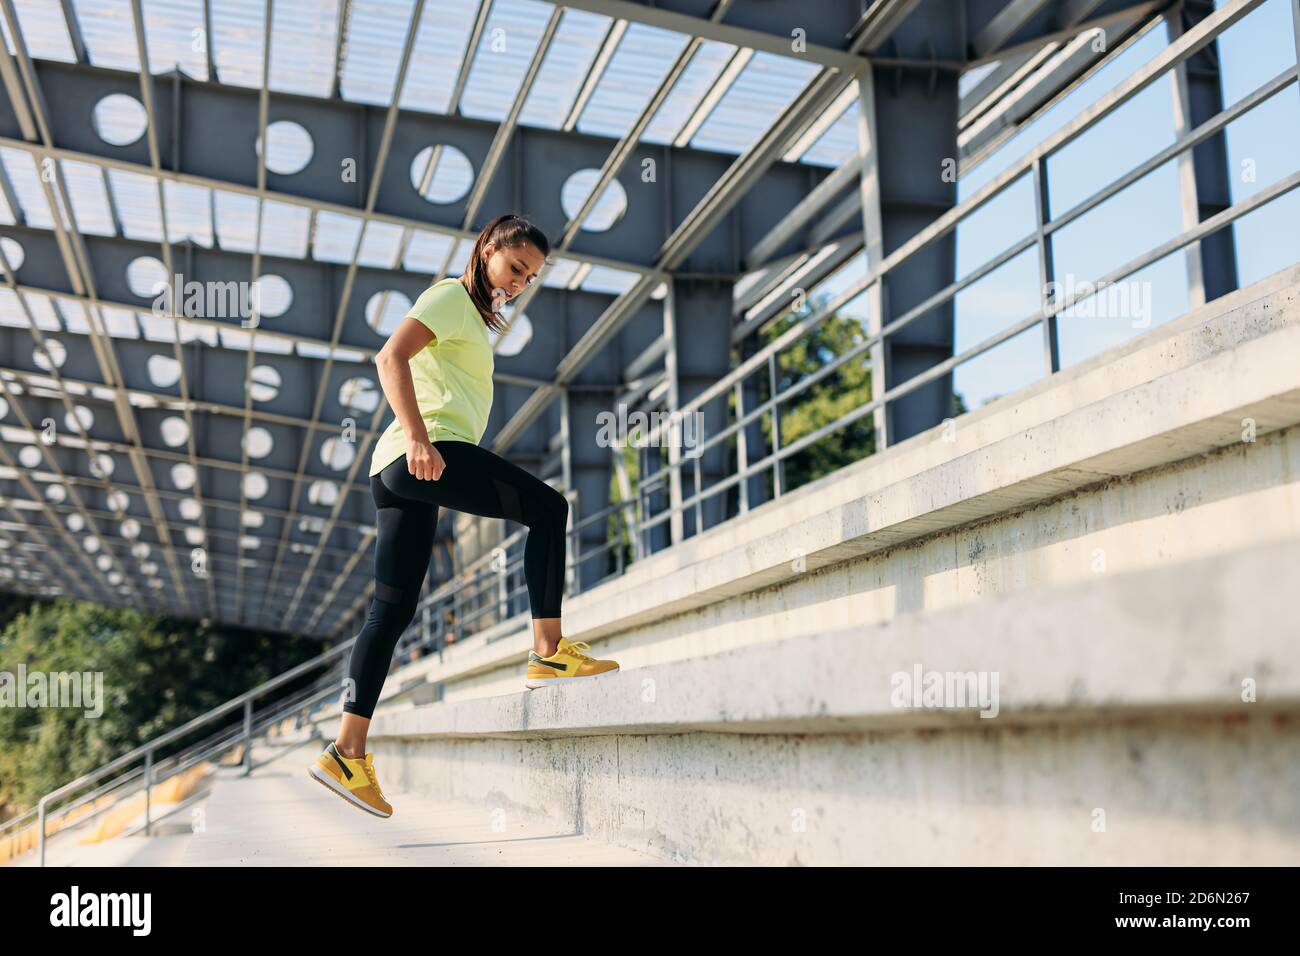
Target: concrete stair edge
{"points": [[1180, 638]]}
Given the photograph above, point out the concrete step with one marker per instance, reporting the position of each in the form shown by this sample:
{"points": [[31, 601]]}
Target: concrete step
{"points": [[278, 816], [1115, 703], [1137, 457]]}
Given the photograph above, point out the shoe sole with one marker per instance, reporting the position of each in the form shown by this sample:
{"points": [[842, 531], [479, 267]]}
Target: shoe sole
{"points": [[532, 683], [333, 786]]}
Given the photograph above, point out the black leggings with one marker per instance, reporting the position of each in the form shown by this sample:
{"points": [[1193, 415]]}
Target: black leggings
{"points": [[475, 481]]}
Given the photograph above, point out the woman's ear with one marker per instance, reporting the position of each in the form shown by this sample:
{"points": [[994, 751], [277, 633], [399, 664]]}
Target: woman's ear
{"points": [[488, 248]]}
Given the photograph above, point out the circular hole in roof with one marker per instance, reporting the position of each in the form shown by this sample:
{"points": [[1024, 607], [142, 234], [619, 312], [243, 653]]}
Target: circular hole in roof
{"points": [[90, 543], [164, 371], [265, 383], [248, 542], [175, 431], [336, 453], [4, 407], [140, 551], [385, 311], [14, 254], [289, 147], [272, 295], [253, 519], [130, 529], [56, 493], [29, 456], [517, 336], [441, 173], [119, 119], [323, 493], [117, 500], [609, 208], [183, 476], [309, 525], [258, 442], [80, 415], [148, 567], [146, 277], [359, 395], [255, 485], [115, 578], [190, 509], [51, 356], [103, 562], [194, 535], [75, 522], [101, 466]]}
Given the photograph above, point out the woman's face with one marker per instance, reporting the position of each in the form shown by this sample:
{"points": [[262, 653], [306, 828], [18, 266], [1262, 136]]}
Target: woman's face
{"points": [[510, 269]]}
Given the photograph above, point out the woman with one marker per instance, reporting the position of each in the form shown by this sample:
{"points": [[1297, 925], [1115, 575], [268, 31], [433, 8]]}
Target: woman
{"points": [[436, 372]]}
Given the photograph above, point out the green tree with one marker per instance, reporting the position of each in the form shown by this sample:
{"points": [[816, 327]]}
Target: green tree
{"points": [[831, 397], [158, 673]]}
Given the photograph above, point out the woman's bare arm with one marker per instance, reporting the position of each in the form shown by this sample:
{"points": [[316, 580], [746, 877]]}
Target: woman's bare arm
{"points": [[393, 362]]}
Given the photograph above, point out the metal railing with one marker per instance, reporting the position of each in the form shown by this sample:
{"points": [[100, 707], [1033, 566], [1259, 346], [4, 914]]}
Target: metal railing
{"points": [[141, 770], [1033, 164]]}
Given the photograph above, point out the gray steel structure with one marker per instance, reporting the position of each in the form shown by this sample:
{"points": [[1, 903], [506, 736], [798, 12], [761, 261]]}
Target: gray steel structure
{"points": [[699, 245]]}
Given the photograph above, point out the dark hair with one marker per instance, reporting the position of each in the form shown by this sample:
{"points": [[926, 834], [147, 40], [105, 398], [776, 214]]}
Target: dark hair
{"points": [[504, 232]]}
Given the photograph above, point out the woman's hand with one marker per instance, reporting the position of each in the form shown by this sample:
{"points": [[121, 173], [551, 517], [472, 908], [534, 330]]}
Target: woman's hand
{"points": [[423, 460]]}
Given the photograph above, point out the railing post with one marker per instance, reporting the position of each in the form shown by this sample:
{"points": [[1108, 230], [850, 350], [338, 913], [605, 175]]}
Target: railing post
{"points": [[621, 524], [40, 817], [456, 603], [248, 736], [778, 465], [148, 791], [503, 610], [641, 544], [699, 514], [573, 548], [1046, 267], [742, 451]]}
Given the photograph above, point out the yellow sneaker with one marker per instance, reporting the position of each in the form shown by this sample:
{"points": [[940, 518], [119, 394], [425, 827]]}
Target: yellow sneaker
{"points": [[567, 663], [352, 778]]}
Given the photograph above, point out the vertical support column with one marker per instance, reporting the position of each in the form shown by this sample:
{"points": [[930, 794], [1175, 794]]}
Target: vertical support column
{"points": [[700, 351], [1203, 185], [907, 140], [588, 469]]}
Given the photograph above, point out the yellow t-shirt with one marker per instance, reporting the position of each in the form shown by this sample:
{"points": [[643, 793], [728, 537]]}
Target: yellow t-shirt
{"points": [[452, 374]]}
